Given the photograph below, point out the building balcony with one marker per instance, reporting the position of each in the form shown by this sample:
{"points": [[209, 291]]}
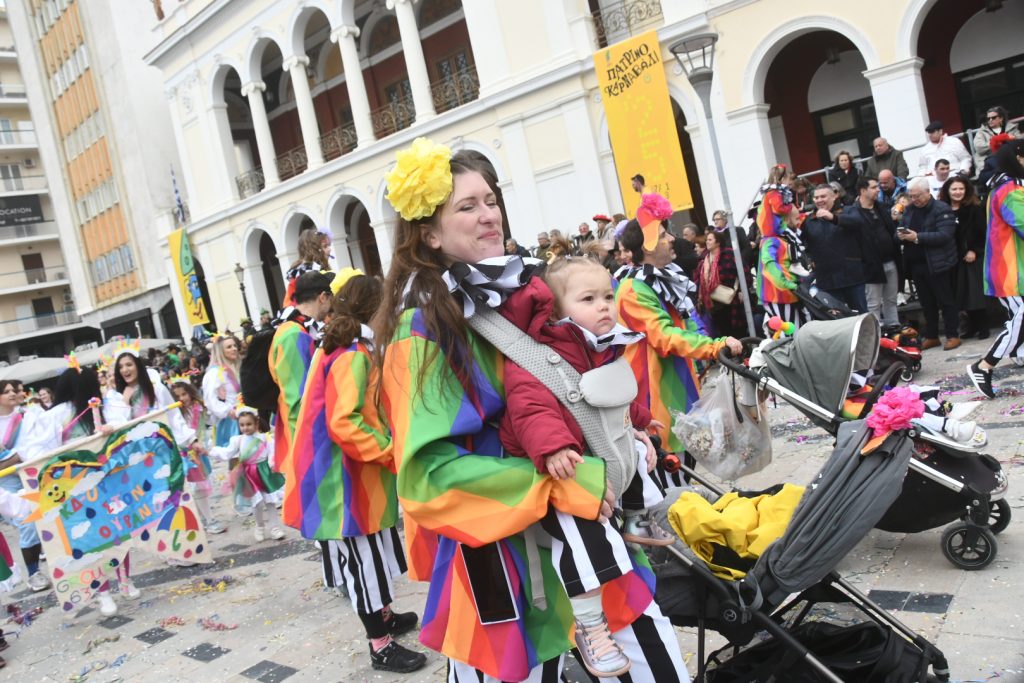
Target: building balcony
{"points": [[250, 182], [292, 163], [392, 117], [33, 279], [11, 93], [45, 230], [341, 140], [25, 184], [456, 90], [18, 139], [620, 20], [50, 322], [8, 53]]}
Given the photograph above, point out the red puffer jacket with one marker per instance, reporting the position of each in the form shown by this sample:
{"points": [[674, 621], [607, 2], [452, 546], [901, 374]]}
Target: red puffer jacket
{"points": [[536, 424]]}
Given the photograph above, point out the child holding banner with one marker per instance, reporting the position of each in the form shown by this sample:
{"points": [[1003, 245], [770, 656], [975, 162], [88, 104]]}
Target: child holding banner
{"points": [[196, 417], [253, 477]]}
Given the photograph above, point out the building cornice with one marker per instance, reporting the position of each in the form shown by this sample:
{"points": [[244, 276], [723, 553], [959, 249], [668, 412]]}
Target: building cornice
{"points": [[167, 45]]}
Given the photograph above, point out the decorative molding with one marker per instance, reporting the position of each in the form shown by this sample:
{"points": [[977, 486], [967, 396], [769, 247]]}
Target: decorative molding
{"points": [[894, 71], [294, 60], [344, 31], [253, 86]]}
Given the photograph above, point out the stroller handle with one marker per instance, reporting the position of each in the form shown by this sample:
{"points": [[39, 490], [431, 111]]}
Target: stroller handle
{"points": [[734, 363]]}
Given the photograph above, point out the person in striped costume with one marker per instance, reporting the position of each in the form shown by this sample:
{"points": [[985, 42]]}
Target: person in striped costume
{"points": [[495, 606], [342, 476], [780, 250], [1004, 262]]}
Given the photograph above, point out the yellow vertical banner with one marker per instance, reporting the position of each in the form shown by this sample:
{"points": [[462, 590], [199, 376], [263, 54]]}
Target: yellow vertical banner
{"points": [[188, 281], [640, 121]]}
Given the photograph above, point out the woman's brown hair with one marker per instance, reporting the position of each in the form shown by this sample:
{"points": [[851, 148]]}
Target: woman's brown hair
{"points": [[354, 305], [311, 249], [414, 281], [970, 194]]}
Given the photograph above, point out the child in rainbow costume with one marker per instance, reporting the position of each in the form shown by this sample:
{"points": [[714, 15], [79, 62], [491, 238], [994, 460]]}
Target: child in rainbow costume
{"points": [[252, 478], [197, 454]]}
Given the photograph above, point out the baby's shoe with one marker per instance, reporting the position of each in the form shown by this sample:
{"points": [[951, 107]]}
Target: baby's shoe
{"points": [[276, 533], [260, 534], [128, 589], [108, 607], [643, 530], [602, 656], [966, 432]]}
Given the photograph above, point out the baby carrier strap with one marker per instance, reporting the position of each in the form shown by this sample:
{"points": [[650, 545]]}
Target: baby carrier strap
{"points": [[598, 400]]}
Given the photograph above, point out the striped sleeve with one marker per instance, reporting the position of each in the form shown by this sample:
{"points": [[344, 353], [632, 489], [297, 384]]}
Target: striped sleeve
{"points": [[1012, 210], [641, 310], [772, 252], [359, 434]]}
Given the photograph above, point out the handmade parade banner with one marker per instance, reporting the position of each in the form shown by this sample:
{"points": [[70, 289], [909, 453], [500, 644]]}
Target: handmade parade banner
{"points": [[188, 281], [99, 497], [641, 125]]}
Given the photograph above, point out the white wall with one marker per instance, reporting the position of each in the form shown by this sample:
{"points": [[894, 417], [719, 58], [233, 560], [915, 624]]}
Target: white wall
{"points": [[836, 84], [989, 37]]}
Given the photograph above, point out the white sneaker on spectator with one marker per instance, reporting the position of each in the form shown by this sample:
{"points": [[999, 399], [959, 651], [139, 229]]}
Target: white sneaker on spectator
{"points": [[216, 527], [38, 582]]}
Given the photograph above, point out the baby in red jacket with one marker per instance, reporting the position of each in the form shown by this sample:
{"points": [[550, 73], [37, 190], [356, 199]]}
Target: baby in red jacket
{"points": [[572, 310]]}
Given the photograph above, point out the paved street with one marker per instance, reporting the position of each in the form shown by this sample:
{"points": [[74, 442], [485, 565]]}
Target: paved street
{"points": [[269, 619]]}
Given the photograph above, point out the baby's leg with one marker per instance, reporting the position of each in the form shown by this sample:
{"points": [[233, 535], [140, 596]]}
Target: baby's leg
{"points": [[586, 554]]}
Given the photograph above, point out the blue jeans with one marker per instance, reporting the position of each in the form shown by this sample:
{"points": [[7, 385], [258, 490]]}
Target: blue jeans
{"points": [[854, 296], [27, 535]]}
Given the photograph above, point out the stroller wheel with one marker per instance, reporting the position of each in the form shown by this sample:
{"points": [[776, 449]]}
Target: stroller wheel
{"points": [[969, 547], [998, 515], [906, 375], [916, 367]]}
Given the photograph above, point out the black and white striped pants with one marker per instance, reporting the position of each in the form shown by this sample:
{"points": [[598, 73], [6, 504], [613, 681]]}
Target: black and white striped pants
{"points": [[794, 313], [586, 553], [366, 565], [649, 642], [1010, 342]]}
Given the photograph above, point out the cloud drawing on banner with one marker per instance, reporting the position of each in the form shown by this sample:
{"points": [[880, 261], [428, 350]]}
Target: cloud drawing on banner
{"points": [[163, 472], [161, 497], [79, 530], [141, 431]]}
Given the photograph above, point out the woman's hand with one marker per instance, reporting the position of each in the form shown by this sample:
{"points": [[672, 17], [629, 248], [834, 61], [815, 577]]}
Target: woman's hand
{"points": [[232, 414], [105, 430], [970, 256], [735, 346]]}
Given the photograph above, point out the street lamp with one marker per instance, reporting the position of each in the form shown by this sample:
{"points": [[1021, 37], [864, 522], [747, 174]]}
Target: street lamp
{"points": [[696, 55], [240, 275]]}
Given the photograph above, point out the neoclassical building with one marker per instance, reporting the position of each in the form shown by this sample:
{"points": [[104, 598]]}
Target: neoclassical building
{"points": [[287, 114]]}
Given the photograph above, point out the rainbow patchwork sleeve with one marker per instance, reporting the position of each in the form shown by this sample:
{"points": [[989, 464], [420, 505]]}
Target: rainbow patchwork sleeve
{"points": [[1012, 210], [352, 421], [773, 252], [290, 355], [640, 310], [443, 483]]}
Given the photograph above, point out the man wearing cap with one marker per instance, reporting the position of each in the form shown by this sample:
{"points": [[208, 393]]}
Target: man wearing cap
{"points": [[941, 146], [603, 221], [295, 339]]}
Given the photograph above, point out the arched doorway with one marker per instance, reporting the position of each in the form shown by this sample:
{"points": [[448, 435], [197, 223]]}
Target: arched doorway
{"points": [[271, 269], [349, 217], [234, 124], [820, 101], [204, 293], [698, 214]]}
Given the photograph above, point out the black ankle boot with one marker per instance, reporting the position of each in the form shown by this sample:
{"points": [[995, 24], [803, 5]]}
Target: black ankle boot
{"points": [[397, 659], [401, 622]]}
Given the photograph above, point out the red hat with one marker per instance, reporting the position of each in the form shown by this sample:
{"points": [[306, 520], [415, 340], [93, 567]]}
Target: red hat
{"points": [[653, 209], [601, 217]]}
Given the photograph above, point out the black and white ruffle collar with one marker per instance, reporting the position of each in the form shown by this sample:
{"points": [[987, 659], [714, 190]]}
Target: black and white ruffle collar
{"points": [[674, 288], [620, 335], [490, 281]]}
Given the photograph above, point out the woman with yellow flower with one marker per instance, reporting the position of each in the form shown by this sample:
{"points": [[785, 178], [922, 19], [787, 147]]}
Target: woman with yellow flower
{"points": [[494, 607]]}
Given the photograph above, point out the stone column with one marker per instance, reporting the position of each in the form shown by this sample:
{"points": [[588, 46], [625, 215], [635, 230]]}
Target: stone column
{"points": [[900, 105], [296, 67], [415, 65], [483, 21], [382, 233], [253, 91], [345, 37], [747, 153]]}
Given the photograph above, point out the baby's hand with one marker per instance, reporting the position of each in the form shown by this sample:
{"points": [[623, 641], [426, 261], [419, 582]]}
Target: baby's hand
{"points": [[562, 464], [652, 455], [655, 426]]}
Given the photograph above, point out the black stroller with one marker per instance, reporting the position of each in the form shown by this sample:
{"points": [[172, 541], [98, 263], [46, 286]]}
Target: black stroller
{"points": [[893, 346], [792, 617], [948, 482]]}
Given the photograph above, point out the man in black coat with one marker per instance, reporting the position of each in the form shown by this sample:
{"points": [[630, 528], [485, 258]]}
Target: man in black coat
{"points": [[877, 232], [836, 251], [928, 234]]}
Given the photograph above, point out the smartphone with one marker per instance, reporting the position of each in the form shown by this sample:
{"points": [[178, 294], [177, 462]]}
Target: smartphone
{"points": [[489, 583], [902, 229]]}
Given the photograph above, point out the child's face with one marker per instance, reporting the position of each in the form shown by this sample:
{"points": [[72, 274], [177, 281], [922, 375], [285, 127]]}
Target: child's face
{"points": [[589, 301], [183, 396], [247, 424]]}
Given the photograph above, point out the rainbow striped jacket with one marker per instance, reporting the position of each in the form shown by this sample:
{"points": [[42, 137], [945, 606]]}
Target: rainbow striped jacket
{"points": [[289, 357], [341, 476], [663, 362], [1004, 246], [774, 281], [453, 479]]}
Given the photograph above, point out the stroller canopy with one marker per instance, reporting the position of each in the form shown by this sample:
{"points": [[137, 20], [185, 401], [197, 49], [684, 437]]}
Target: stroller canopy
{"points": [[817, 362]]}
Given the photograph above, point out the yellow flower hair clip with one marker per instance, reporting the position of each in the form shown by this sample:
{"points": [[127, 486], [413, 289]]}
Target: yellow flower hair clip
{"points": [[421, 180]]}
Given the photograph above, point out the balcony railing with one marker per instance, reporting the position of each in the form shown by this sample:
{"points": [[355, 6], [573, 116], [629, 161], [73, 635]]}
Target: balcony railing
{"points": [[54, 275], [250, 182], [292, 163], [622, 19], [341, 140], [28, 182], [17, 137], [38, 323], [12, 90], [456, 90], [393, 117], [42, 229]]}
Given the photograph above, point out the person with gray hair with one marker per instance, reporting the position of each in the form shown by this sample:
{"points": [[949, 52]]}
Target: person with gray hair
{"points": [[928, 233]]}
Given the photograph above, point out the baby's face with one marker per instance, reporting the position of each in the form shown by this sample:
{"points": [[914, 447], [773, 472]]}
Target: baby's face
{"points": [[590, 301]]}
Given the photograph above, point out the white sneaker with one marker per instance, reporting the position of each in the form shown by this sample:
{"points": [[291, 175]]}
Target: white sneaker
{"points": [[276, 533], [601, 655], [128, 589], [38, 582], [216, 527], [108, 607], [260, 534]]}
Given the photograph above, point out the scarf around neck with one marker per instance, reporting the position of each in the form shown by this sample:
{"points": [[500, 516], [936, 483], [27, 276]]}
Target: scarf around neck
{"points": [[488, 282], [669, 283], [620, 335]]}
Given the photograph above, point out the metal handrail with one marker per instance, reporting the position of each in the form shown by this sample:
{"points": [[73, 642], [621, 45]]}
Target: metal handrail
{"points": [[622, 18], [34, 276], [36, 323], [291, 163], [338, 141], [250, 182], [460, 88], [393, 117], [37, 229]]}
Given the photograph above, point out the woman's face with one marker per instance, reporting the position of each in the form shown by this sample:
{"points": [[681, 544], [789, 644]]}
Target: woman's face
{"points": [[711, 241], [9, 398], [45, 396], [182, 395], [844, 161], [957, 192], [993, 119], [469, 225], [126, 368], [229, 347]]}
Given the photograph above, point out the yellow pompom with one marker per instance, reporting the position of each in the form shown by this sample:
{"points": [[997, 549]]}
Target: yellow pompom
{"points": [[421, 180]]}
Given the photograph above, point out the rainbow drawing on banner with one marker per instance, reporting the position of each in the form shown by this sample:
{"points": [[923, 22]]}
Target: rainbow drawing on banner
{"points": [[94, 506]]}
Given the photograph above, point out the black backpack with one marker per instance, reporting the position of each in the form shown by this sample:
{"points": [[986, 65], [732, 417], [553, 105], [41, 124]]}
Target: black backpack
{"points": [[258, 386]]}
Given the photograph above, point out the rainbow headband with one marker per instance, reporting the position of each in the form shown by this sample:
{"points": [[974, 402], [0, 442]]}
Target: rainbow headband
{"points": [[130, 346], [242, 409]]}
